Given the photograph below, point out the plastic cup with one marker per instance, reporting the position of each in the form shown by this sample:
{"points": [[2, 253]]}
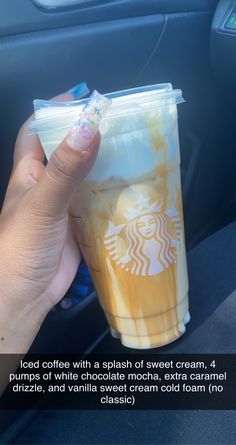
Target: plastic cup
{"points": [[127, 214]]}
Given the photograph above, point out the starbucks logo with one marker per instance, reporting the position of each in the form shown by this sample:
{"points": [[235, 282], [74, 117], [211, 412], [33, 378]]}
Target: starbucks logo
{"points": [[147, 244]]}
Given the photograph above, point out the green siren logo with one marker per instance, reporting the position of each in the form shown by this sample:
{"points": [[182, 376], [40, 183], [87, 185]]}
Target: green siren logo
{"points": [[147, 244]]}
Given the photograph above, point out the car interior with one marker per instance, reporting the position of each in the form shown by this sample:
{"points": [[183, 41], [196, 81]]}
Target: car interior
{"points": [[46, 47]]}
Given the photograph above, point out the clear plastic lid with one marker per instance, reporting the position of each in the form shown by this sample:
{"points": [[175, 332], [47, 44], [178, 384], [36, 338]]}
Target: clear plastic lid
{"points": [[52, 115]]}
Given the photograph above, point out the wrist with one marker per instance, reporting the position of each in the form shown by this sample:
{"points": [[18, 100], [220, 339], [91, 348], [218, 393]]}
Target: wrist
{"points": [[19, 325]]}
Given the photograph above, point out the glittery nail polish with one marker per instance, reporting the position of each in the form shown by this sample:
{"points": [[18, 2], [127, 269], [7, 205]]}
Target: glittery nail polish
{"points": [[79, 91], [85, 128]]}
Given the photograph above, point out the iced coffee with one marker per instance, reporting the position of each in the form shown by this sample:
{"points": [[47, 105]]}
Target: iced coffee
{"points": [[127, 217]]}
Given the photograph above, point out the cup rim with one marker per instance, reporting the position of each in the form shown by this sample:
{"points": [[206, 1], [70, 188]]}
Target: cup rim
{"points": [[124, 102]]}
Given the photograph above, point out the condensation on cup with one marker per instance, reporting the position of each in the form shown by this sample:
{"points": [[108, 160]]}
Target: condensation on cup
{"points": [[127, 214]]}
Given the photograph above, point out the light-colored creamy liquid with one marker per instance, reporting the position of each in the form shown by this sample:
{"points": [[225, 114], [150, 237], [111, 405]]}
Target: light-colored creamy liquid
{"points": [[128, 219], [145, 309]]}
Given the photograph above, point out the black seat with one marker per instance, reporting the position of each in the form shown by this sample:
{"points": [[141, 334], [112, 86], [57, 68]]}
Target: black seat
{"points": [[212, 275]]}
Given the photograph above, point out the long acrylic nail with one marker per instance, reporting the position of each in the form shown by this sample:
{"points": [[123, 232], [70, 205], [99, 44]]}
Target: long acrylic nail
{"points": [[87, 125], [79, 91]]}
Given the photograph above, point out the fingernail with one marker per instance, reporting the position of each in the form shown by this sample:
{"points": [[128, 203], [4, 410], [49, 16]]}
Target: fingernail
{"points": [[79, 91], [66, 303], [88, 123]]}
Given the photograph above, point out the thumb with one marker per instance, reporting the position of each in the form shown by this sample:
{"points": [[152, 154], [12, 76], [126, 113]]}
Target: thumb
{"points": [[72, 160]]}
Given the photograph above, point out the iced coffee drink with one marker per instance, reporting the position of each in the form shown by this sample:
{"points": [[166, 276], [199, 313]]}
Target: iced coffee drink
{"points": [[128, 219]]}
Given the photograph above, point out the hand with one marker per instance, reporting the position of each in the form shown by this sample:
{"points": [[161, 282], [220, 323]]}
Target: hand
{"points": [[39, 255]]}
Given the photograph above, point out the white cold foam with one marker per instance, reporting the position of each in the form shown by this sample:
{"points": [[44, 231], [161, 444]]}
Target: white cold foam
{"points": [[126, 148]]}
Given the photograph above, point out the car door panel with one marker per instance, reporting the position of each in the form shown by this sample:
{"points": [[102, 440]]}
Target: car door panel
{"points": [[111, 54], [24, 16]]}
